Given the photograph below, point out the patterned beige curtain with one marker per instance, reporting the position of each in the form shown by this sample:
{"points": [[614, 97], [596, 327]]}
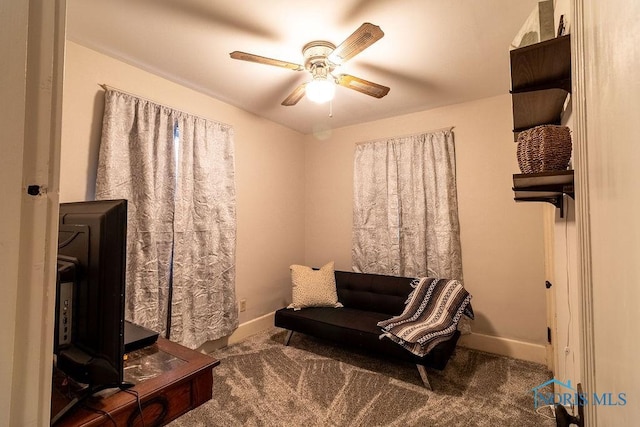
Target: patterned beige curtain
{"points": [[177, 172], [203, 306], [405, 212]]}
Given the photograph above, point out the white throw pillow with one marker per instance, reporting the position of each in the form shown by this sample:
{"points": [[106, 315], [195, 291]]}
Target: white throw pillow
{"points": [[313, 288]]}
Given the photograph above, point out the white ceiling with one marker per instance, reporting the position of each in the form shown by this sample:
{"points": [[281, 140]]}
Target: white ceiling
{"points": [[434, 52]]}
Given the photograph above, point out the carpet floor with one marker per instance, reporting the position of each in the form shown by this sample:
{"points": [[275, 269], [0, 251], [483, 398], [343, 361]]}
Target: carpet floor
{"points": [[261, 382]]}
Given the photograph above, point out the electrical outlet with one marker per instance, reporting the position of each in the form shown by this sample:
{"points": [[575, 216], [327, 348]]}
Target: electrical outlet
{"points": [[243, 304]]}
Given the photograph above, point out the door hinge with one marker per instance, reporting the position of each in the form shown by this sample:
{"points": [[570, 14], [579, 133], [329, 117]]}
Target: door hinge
{"points": [[549, 335]]}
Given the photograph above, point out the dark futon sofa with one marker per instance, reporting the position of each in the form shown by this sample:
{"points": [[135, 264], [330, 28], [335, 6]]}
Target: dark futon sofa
{"points": [[367, 299]]}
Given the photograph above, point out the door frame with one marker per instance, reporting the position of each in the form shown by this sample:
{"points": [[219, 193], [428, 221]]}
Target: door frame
{"points": [[32, 46]]}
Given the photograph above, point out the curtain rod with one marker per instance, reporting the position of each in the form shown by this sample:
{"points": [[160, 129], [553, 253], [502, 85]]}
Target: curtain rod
{"points": [[107, 87], [449, 128]]}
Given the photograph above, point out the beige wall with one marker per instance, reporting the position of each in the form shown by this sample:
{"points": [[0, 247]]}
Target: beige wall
{"points": [[269, 171], [502, 242]]}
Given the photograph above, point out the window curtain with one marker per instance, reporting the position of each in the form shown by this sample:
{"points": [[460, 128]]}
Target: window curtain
{"points": [[177, 172], [405, 212]]}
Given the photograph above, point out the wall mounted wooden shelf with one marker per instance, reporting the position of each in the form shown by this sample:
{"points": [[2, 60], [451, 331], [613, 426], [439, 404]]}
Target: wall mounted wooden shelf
{"points": [[544, 187], [540, 82]]}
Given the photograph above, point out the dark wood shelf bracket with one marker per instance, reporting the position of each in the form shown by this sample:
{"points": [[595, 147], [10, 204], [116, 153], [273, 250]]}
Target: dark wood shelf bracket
{"points": [[547, 187]]}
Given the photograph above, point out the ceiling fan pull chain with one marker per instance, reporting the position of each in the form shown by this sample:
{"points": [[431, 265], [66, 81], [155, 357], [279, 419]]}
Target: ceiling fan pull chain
{"points": [[330, 108]]}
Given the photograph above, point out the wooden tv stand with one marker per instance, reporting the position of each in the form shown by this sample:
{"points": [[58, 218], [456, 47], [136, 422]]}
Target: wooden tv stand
{"points": [[169, 378]]}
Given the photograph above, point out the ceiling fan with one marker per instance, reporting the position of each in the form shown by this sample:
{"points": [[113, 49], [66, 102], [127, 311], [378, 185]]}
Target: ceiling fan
{"points": [[321, 58]]}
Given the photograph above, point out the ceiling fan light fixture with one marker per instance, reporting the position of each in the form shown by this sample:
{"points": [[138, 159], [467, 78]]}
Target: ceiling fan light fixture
{"points": [[321, 90], [321, 60]]}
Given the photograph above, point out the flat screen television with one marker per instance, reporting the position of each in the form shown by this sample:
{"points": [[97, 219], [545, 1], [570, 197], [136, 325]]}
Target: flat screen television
{"points": [[89, 328]]}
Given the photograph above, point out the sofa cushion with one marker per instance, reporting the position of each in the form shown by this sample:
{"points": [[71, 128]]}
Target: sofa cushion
{"points": [[313, 288], [358, 329], [348, 318]]}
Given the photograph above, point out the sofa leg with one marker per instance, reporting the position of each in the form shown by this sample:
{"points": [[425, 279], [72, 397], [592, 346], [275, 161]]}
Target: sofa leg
{"points": [[288, 338], [423, 375]]}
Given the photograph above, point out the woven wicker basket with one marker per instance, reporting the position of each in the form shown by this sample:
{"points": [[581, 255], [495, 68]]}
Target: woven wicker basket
{"points": [[544, 148]]}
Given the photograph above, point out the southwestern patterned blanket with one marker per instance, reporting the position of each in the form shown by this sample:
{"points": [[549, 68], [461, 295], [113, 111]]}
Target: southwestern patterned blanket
{"points": [[431, 315]]}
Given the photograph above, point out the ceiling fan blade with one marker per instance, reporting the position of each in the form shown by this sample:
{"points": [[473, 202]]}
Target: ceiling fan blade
{"points": [[295, 96], [243, 56], [361, 39], [362, 85]]}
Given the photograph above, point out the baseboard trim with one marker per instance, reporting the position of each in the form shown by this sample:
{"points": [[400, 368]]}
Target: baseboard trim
{"points": [[252, 327], [244, 331], [505, 347]]}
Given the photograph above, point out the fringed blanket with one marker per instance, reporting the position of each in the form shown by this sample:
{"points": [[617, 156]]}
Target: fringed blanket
{"points": [[431, 315]]}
